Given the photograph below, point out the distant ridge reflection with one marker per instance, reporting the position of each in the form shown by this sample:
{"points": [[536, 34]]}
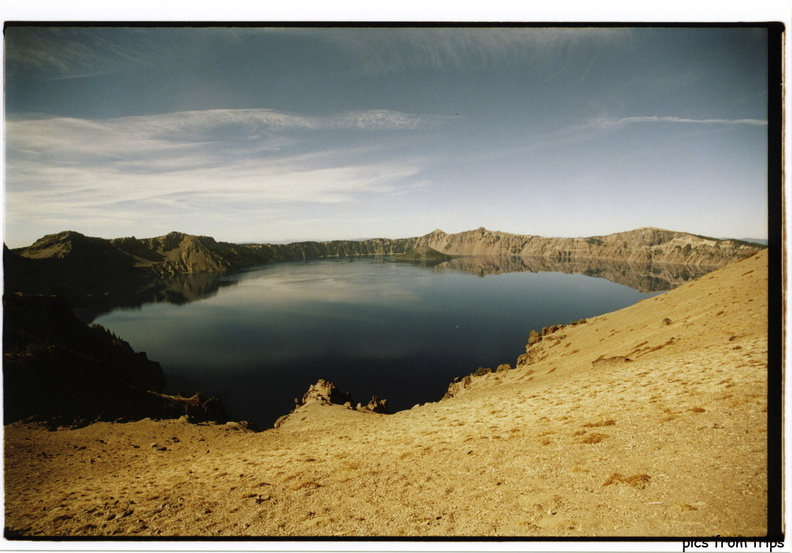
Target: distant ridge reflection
{"points": [[644, 277], [177, 289], [184, 288]]}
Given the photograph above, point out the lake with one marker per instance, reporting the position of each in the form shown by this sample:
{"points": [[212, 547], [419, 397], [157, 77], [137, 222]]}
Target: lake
{"points": [[258, 338]]}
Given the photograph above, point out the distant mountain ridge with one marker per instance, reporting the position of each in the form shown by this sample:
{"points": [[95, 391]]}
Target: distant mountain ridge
{"points": [[644, 245], [71, 263]]}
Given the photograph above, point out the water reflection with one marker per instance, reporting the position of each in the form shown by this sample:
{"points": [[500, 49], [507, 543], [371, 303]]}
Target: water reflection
{"points": [[176, 289], [644, 277], [184, 288]]}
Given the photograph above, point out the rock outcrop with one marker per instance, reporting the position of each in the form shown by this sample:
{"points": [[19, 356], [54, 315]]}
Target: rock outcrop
{"points": [[324, 393], [327, 393], [531, 355]]}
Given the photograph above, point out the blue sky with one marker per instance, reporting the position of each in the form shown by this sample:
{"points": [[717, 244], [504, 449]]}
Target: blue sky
{"points": [[284, 134]]}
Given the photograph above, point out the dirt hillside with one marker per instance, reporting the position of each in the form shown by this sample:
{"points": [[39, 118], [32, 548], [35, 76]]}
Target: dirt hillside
{"points": [[649, 421]]}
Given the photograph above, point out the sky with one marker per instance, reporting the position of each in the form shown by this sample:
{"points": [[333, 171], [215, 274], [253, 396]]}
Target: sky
{"points": [[280, 134]]}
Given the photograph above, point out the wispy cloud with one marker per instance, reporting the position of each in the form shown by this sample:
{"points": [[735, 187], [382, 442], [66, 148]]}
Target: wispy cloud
{"points": [[595, 128], [70, 52], [183, 140], [201, 162], [610, 122]]}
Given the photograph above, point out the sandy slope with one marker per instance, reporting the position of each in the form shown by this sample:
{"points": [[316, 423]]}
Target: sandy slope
{"points": [[669, 443]]}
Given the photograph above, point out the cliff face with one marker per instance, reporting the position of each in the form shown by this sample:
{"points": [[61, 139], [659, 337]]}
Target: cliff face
{"points": [[645, 245], [177, 252]]}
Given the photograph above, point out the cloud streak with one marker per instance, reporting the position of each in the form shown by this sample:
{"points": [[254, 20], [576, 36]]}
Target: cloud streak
{"points": [[606, 122], [177, 129], [72, 52], [183, 141], [57, 53], [202, 162]]}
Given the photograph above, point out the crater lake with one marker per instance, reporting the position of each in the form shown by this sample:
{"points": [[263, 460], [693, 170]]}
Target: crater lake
{"points": [[257, 339]]}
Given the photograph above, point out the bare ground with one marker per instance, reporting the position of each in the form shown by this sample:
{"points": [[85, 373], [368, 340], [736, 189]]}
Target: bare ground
{"points": [[649, 421]]}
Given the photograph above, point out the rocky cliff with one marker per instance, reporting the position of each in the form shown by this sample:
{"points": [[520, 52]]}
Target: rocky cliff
{"points": [[645, 245]]}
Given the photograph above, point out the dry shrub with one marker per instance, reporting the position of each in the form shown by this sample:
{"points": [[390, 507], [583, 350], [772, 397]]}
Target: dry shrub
{"points": [[308, 484], [639, 481], [594, 438], [609, 422], [698, 409]]}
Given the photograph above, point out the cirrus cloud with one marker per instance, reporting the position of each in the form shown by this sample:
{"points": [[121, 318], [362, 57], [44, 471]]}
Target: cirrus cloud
{"points": [[605, 122], [215, 161]]}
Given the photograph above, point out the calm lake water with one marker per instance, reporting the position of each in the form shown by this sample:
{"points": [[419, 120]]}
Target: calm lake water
{"points": [[394, 330]]}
